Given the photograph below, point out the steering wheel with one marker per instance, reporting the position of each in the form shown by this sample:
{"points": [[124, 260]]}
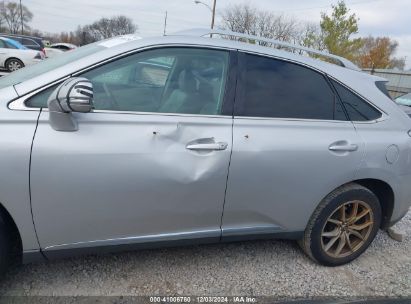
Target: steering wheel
{"points": [[113, 101]]}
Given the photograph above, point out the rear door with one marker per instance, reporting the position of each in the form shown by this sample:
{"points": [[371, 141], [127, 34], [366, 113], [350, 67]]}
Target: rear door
{"points": [[292, 145]]}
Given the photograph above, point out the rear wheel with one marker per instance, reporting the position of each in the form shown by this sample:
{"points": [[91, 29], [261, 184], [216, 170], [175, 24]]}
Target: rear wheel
{"points": [[14, 65], [343, 226]]}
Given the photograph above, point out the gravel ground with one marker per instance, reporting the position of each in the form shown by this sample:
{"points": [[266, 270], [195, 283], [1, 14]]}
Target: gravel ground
{"points": [[250, 268]]}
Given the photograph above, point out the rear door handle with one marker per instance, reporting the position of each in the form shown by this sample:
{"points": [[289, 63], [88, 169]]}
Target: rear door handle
{"points": [[207, 146], [343, 148]]}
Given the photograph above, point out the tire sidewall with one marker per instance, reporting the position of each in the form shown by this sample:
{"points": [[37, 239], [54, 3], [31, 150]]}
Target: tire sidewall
{"points": [[350, 195], [13, 60]]}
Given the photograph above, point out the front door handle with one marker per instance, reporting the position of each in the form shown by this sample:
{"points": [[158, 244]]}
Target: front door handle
{"points": [[343, 147], [207, 146]]}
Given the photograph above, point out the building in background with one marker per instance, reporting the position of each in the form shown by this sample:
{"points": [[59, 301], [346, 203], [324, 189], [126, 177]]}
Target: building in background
{"points": [[399, 82]]}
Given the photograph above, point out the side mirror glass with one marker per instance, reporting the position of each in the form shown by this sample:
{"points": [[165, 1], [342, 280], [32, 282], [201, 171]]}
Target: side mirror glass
{"points": [[73, 95]]}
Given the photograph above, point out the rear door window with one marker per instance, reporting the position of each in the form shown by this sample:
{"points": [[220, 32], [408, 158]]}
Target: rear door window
{"points": [[280, 89]]}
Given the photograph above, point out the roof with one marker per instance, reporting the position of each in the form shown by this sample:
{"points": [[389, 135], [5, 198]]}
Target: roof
{"points": [[271, 42], [22, 36]]}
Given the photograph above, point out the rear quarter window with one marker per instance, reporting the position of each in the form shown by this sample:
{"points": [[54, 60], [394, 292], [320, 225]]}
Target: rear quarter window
{"points": [[357, 108]]}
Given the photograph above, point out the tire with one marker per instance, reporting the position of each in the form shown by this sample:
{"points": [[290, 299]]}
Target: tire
{"points": [[333, 236], [14, 64], [5, 246]]}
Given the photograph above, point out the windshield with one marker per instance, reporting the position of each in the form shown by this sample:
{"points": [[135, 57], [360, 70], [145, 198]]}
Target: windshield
{"points": [[49, 64], [404, 100]]}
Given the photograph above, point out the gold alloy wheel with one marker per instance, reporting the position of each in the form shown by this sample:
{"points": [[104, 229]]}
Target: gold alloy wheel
{"points": [[347, 229]]}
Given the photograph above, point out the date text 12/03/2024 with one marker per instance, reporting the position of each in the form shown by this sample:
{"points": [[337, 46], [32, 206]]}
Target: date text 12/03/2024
{"points": [[202, 299]]}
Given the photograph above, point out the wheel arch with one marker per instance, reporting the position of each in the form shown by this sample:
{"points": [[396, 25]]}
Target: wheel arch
{"points": [[385, 194], [383, 190], [15, 233]]}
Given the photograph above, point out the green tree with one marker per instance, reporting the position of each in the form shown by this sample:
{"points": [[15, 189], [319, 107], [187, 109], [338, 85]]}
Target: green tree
{"points": [[337, 32]]}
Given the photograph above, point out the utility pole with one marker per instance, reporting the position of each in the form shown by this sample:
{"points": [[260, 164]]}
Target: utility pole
{"points": [[213, 18], [165, 24], [212, 10], [21, 18]]}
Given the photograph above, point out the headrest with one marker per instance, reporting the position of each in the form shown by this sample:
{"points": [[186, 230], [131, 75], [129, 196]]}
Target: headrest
{"points": [[187, 81]]}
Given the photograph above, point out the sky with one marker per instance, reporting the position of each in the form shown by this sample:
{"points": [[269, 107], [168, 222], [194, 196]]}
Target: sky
{"points": [[377, 17]]}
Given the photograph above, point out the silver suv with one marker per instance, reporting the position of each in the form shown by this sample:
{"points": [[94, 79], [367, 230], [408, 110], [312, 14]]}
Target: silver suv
{"points": [[134, 143]]}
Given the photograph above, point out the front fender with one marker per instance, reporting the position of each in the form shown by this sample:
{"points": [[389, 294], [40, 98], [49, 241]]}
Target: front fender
{"points": [[17, 129]]}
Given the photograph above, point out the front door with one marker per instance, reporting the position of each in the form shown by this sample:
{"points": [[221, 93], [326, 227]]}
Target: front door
{"points": [[292, 145], [149, 164]]}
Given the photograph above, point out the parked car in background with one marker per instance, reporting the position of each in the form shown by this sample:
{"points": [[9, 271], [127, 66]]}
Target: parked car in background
{"points": [[14, 56], [130, 143], [12, 44], [405, 103], [63, 46], [33, 43], [53, 52]]}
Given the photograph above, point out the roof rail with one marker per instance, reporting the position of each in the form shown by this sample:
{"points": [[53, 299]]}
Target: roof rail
{"points": [[199, 32]]}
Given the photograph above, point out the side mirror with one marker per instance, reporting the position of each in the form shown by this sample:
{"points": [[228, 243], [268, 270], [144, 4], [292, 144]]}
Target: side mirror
{"points": [[73, 95]]}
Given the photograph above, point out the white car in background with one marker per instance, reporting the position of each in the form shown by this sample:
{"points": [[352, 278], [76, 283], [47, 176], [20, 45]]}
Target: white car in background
{"points": [[63, 46], [51, 52], [14, 56]]}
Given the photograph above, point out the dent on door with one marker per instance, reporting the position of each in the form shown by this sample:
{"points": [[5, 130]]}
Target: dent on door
{"points": [[125, 178]]}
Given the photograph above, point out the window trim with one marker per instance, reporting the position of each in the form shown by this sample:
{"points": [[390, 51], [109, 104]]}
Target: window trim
{"points": [[227, 108], [240, 101]]}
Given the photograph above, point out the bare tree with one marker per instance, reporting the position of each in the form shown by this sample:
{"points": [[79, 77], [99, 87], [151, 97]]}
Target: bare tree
{"points": [[244, 18], [12, 17], [2, 7], [106, 28], [277, 27], [240, 18], [101, 29]]}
